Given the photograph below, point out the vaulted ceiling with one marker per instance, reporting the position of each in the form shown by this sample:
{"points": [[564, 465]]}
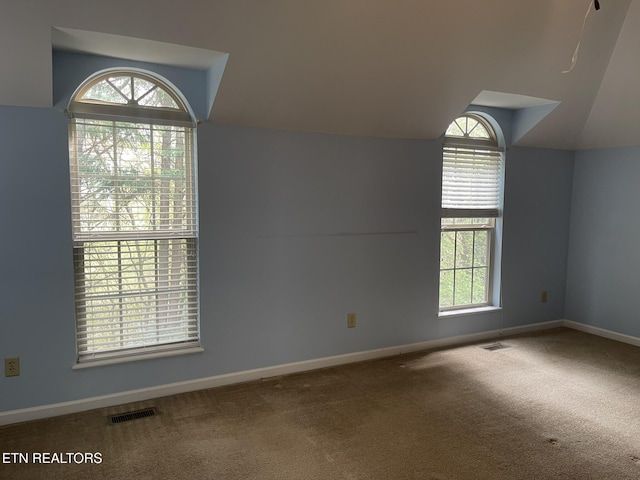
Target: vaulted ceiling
{"points": [[401, 68]]}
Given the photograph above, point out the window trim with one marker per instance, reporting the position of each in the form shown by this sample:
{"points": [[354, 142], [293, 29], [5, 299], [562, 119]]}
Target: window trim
{"points": [[491, 229], [181, 118], [469, 311], [100, 362], [493, 144]]}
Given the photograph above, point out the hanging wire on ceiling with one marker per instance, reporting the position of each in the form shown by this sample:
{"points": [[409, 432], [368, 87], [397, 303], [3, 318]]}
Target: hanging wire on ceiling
{"points": [[574, 59]]}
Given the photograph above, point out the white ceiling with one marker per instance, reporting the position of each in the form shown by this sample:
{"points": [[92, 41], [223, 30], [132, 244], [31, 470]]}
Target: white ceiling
{"points": [[402, 68]]}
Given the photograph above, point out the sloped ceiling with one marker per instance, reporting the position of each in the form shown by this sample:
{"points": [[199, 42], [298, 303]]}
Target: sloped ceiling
{"points": [[615, 116], [402, 68]]}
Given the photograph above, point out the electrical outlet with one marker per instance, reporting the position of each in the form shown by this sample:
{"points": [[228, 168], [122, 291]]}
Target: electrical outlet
{"points": [[12, 367], [351, 320], [543, 297]]}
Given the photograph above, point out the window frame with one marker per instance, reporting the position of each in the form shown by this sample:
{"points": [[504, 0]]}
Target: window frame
{"points": [[490, 228], [490, 143], [181, 123]]}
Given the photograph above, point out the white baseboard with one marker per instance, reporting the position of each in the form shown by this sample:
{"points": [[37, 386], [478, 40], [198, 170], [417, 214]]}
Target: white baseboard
{"points": [[45, 411], [601, 332]]}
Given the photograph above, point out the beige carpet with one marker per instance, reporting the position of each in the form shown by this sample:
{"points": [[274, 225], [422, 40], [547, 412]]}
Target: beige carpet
{"points": [[556, 405]]}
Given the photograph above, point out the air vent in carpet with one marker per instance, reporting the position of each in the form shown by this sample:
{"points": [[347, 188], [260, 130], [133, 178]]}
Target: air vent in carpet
{"points": [[494, 346], [127, 417]]}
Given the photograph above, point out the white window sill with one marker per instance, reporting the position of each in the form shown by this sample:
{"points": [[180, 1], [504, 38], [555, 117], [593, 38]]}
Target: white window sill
{"points": [[135, 358], [468, 311]]}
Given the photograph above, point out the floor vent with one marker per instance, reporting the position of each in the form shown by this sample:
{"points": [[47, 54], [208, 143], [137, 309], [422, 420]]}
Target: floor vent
{"points": [[492, 347], [127, 417]]}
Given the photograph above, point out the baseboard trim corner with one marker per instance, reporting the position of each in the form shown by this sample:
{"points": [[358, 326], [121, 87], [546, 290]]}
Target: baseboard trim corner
{"points": [[601, 332]]}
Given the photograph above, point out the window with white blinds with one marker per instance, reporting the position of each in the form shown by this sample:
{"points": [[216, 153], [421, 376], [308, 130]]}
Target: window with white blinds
{"points": [[134, 217], [472, 179]]}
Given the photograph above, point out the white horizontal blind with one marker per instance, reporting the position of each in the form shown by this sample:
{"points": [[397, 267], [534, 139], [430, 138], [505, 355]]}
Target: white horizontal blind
{"points": [[131, 180], [471, 181], [135, 237], [136, 293]]}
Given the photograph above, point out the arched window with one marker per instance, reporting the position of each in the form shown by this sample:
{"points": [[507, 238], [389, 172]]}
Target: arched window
{"points": [[472, 179], [134, 216], [119, 94]]}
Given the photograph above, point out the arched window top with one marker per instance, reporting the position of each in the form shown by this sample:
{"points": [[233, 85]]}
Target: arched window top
{"points": [[128, 88], [132, 94], [472, 129]]}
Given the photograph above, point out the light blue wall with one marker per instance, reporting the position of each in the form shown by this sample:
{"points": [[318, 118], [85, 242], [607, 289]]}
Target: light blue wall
{"points": [[36, 272], [297, 229], [603, 282], [536, 218]]}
